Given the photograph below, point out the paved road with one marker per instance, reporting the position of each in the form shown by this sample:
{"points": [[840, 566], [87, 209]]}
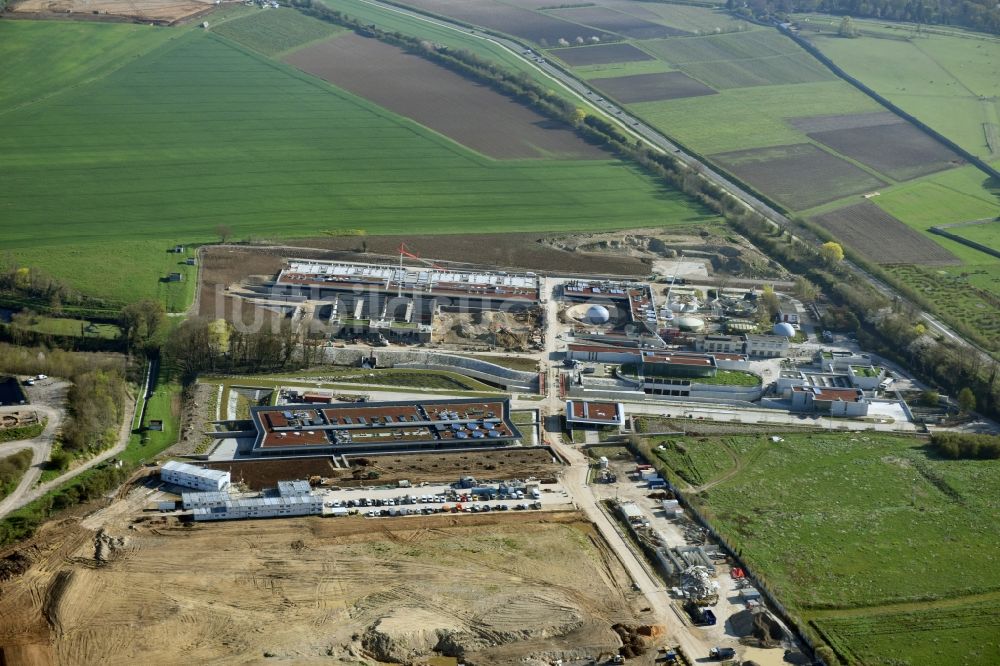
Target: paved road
{"points": [[25, 493], [40, 446], [653, 137]]}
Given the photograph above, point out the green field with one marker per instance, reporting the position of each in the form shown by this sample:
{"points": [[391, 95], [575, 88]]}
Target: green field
{"points": [[199, 132], [49, 57], [740, 60], [849, 528], [987, 234], [119, 270], [751, 117], [275, 31], [695, 20], [937, 635], [950, 81], [72, 327]]}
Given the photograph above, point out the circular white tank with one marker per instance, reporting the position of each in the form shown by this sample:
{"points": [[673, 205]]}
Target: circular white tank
{"points": [[784, 329], [598, 314], [690, 324]]}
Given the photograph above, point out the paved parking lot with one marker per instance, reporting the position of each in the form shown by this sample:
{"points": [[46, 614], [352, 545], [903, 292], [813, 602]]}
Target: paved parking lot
{"points": [[439, 498]]}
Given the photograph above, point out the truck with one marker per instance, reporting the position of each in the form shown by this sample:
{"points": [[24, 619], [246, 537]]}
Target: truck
{"points": [[720, 653], [701, 617]]}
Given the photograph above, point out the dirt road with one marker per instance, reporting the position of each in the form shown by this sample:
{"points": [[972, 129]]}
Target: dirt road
{"points": [[40, 446], [575, 481], [25, 492]]}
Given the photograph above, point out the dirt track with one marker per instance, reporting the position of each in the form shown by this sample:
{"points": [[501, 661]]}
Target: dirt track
{"points": [[470, 113], [313, 588], [165, 11]]}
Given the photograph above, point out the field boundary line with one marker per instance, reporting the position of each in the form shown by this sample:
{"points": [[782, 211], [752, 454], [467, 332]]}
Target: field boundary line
{"points": [[902, 606], [815, 51]]}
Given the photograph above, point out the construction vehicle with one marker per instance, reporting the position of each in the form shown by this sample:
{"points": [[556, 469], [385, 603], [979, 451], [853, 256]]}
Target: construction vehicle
{"points": [[720, 653], [674, 655]]}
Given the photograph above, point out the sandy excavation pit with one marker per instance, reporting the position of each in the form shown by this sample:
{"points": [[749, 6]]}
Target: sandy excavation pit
{"points": [[487, 589]]}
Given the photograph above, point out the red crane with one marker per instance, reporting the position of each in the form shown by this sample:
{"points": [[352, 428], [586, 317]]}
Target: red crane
{"points": [[404, 251]]}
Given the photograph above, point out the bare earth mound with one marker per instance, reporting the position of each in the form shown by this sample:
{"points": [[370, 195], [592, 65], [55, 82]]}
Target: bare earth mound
{"points": [[159, 11], [495, 591], [881, 237], [652, 87], [467, 112]]}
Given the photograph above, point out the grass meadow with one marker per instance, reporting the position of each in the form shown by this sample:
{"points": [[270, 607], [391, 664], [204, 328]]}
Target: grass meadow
{"points": [[869, 536], [275, 31], [102, 178], [950, 81]]}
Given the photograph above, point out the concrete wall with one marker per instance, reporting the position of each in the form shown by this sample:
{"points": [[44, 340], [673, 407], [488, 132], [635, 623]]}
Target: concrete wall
{"points": [[515, 380]]}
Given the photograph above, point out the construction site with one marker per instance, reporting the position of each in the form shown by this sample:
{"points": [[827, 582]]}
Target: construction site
{"points": [[500, 589], [405, 304]]}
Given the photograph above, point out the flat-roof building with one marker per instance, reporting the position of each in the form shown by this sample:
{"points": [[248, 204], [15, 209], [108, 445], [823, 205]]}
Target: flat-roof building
{"points": [[588, 413], [849, 402], [307, 429], [192, 476], [262, 507]]}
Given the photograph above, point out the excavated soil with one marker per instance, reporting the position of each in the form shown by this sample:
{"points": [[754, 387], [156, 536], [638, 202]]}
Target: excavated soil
{"points": [[487, 589]]}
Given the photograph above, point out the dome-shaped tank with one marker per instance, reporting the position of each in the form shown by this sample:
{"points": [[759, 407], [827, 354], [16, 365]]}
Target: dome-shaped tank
{"points": [[690, 323], [784, 329], [598, 314]]}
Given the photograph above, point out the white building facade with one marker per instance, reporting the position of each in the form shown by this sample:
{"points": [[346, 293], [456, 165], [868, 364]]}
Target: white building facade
{"points": [[191, 476]]}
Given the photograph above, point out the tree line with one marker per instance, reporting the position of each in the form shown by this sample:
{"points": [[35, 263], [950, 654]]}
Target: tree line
{"points": [[884, 326], [96, 400], [29, 287], [981, 15], [956, 445], [206, 345]]}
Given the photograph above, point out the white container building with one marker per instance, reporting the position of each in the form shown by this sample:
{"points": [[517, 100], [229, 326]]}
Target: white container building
{"points": [[191, 476], [262, 507]]}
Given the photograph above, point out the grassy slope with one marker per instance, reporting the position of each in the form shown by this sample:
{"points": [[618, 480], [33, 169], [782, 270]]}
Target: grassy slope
{"points": [[166, 147]]}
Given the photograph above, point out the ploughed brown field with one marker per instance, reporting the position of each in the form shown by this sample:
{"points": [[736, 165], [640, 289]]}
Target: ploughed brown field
{"points": [[501, 17], [617, 22], [652, 87], [601, 54], [882, 238], [882, 141], [470, 113], [159, 11], [799, 176], [899, 150]]}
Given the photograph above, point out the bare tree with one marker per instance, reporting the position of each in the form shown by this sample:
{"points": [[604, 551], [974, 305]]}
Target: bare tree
{"points": [[223, 231]]}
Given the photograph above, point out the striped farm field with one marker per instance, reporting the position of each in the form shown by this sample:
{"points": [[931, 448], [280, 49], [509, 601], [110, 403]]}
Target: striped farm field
{"points": [[200, 132]]}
